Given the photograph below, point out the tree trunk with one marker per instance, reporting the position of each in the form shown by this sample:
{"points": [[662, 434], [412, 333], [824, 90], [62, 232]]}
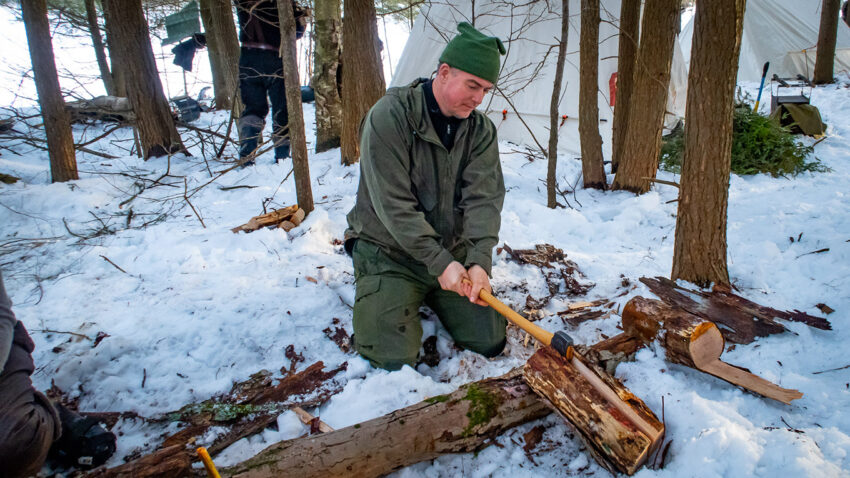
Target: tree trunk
{"points": [[620, 431], [827, 34], [223, 48], [592, 167], [464, 421], [626, 53], [57, 123], [114, 55], [699, 255], [649, 97], [99, 50], [157, 133], [326, 84], [362, 73], [694, 342], [551, 180], [297, 138]]}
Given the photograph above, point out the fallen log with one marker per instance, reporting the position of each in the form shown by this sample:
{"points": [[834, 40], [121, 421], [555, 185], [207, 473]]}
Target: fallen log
{"points": [[167, 462], [694, 342], [610, 352], [466, 420], [742, 319], [620, 431]]}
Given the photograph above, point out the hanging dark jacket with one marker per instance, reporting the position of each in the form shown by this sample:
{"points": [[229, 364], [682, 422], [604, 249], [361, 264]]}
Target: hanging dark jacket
{"points": [[418, 200], [259, 23]]}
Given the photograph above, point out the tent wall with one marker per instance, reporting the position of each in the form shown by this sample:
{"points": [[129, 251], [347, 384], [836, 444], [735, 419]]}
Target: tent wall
{"points": [[785, 33], [529, 30]]}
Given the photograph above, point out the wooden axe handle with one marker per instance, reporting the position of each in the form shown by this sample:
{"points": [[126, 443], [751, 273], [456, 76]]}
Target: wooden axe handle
{"points": [[542, 335]]}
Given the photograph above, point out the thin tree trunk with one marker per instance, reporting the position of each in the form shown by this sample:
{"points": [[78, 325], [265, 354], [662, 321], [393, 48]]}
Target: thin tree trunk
{"points": [[326, 74], [827, 34], [223, 46], [57, 123], [99, 50], [626, 53], [592, 167], [157, 133], [362, 73], [298, 141], [551, 180], [649, 97], [699, 254], [114, 55]]}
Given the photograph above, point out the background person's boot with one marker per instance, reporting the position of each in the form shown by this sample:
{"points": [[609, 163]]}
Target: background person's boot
{"points": [[281, 150], [250, 129], [83, 443]]}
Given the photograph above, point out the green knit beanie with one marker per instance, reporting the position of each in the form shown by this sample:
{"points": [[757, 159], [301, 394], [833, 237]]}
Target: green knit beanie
{"points": [[474, 53]]}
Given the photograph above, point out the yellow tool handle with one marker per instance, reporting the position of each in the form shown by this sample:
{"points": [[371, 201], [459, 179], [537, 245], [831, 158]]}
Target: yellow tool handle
{"points": [[208, 463], [542, 335]]}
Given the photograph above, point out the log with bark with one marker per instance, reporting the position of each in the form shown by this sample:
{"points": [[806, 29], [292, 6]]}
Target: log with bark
{"points": [[466, 420], [692, 341], [620, 431], [742, 319]]}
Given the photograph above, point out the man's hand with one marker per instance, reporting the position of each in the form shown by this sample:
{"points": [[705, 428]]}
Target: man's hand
{"points": [[478, 280], [452, 278]]}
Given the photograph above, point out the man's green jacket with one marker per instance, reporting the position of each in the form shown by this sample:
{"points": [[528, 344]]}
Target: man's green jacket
{"points": [[418, 200]]}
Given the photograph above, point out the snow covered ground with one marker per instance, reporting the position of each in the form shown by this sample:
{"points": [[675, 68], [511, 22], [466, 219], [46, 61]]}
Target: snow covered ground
{"points": [[196, 308]]}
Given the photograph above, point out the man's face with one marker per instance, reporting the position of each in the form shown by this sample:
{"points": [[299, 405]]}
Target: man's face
{"points": [[458, 92]]}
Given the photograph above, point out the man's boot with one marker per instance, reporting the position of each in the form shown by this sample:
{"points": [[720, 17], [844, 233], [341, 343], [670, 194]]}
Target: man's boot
{"points": [[250, 129], [83, 443], [281, 150]]}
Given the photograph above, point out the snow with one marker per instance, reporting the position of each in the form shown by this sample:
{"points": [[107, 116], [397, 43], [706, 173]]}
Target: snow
{"points": [[198, 308]]}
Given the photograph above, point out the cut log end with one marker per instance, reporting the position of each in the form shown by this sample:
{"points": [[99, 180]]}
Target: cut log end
{"points": [[618, 428]]}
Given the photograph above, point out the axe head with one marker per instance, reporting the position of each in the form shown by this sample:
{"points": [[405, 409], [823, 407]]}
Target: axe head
{"points": [[562, 343]]}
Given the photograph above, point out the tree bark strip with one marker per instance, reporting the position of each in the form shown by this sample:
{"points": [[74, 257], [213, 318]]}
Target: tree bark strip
{"points": [[326, 75], [626, 54], [128, 30], [57, 122], [292, 82], [694, 342], [362, 73], [99, 50], [463, 421], [592, 168], [649, 97], [699, 254], [551, 180], [827, 35], [621, 438]]}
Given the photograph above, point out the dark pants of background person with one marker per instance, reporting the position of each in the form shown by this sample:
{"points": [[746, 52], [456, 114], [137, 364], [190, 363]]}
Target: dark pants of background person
{"points": [[28, 422], [261, 80], [390, 290]]}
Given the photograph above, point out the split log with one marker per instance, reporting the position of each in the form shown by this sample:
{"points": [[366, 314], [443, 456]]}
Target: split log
{"points": [[742, 319], [269, 219], [697, 343], [464, 421], [620, 431]]}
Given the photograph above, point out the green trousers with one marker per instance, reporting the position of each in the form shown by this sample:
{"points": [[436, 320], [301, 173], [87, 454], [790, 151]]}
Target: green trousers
{"points": [[390, 291]]}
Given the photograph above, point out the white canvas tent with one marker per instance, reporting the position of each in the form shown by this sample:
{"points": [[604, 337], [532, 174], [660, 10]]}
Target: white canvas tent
{"points": [[785, 33], [528, 31]]}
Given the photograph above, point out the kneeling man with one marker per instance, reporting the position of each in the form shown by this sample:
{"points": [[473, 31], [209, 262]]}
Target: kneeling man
{"points": [[428, 209]]}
